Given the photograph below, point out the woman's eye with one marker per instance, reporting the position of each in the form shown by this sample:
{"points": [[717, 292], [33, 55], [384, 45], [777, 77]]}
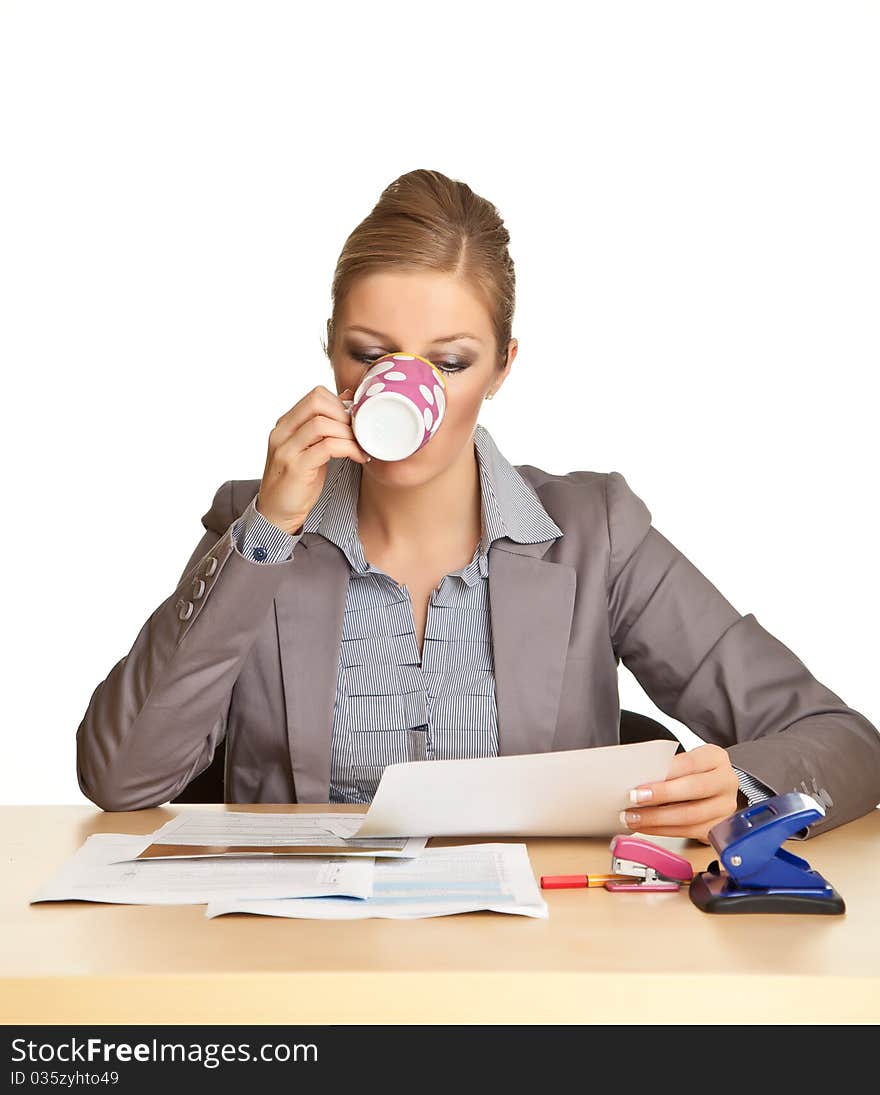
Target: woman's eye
{"points": [[443, 366]]}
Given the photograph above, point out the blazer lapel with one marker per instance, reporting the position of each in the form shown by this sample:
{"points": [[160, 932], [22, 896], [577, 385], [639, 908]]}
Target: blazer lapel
{"points": [[531, 603], [309, 610]]}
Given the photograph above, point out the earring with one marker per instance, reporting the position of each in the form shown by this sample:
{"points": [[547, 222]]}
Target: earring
{"points": [[489, 396]]}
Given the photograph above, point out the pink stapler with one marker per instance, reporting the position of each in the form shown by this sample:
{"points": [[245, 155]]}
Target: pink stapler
{"points": [[654, 867]]}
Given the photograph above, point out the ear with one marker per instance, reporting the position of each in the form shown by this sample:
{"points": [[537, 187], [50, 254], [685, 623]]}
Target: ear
{"points": [[512, 347]]}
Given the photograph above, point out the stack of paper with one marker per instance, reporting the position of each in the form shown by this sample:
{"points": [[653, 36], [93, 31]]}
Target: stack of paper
{"points": [[198, 857], [243, 833], [105, 868], [442, 881], [346, 866]]}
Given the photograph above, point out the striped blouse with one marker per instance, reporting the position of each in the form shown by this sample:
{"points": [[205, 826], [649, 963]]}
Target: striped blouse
{"points": [[391, 705]]}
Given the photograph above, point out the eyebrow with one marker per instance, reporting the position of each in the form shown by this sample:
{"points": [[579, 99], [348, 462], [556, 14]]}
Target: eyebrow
{"points": [[435, 342]]}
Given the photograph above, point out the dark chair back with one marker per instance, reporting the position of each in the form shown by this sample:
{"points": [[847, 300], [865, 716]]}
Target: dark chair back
{"points": [[208, 785], [636, 727]]}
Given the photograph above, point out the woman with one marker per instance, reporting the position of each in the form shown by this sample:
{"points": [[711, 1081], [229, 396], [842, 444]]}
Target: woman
{"points": [[335, 617]]}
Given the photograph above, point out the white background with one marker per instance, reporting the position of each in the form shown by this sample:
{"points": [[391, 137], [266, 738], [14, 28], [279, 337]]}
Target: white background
{"points": [[691, 191]]}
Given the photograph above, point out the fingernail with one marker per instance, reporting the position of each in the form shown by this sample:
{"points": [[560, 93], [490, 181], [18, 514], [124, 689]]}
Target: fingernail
{"points": [[627, 817], [640, 794]]}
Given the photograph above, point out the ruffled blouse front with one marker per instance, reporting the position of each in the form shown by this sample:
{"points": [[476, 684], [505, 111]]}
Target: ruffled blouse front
{"points": [[393, 706]]}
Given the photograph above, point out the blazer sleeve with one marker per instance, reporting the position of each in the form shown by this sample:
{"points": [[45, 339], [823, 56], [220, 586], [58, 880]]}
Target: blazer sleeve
{"points": [[155, 721], [727, 678]]}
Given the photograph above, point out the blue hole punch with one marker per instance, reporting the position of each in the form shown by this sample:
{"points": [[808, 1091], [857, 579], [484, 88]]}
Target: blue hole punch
{"points": [[759, 875]]}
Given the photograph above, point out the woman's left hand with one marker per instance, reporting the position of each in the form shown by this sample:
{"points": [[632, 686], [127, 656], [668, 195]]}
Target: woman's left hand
{"points": [[700, 789]]}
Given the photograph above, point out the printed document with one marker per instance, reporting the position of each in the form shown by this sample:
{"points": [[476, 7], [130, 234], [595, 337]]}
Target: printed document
{"points": [[441, 882], [575, 792], [195, 833], [94, 873]]}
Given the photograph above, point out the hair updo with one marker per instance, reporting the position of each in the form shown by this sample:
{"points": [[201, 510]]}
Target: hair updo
{"points": [[424, 220]]}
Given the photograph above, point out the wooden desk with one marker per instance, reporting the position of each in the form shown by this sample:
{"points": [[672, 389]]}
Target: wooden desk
{"points": [[600, 957]]}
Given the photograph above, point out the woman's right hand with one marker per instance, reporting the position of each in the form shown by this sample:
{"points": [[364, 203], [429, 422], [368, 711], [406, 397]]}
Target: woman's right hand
{"points": [[302, 442]]}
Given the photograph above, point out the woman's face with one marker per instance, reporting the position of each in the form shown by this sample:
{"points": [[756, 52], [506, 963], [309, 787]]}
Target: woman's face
{"points": [[416, 312]]}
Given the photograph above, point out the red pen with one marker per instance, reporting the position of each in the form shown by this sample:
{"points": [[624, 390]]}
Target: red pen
{"points": [[579, 881]]}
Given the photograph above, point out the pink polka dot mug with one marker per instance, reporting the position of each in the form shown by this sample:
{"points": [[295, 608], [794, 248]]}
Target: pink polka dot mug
{"points": [[398, 406]]}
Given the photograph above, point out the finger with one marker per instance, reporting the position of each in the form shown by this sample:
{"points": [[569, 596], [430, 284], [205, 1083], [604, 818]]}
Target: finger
{"points": [[310, 436], [702, 759], [680, 813], [317, 455], [701, 785], [319, 401]]}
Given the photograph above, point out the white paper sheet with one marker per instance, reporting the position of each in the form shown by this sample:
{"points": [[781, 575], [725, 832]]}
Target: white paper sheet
{"points": [[577, 792], [91, 874], [197, 832], [441, 882]]}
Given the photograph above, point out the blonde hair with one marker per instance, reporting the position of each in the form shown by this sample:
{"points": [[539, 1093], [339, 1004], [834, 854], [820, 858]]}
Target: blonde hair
{"points": [[424, 220]]}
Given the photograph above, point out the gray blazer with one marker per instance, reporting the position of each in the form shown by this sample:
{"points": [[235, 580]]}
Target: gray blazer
{"points": [[250, 652]]}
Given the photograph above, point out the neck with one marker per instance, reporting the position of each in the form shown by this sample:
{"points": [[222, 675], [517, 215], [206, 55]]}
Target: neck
{"points": [[421, 520]]}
